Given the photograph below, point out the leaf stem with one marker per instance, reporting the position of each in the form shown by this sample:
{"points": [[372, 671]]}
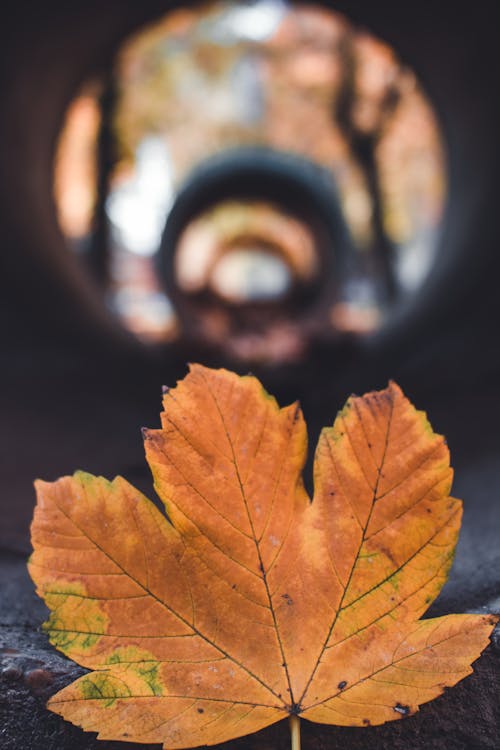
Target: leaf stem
{"points": [[295, 731]]}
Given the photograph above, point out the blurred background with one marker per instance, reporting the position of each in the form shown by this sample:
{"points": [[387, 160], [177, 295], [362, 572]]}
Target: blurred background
{"points": [[307, 92], [304, 191]]}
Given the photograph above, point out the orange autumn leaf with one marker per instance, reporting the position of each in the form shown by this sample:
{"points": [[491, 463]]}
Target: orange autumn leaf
{"points": [[250, 603]]}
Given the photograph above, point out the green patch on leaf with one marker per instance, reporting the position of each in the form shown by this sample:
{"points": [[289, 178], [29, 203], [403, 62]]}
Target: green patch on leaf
{"points": [[142, 663], [103, 687], [77, 621]]}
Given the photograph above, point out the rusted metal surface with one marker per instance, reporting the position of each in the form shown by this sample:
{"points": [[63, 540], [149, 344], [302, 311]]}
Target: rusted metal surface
{"points": [[31, 671]]}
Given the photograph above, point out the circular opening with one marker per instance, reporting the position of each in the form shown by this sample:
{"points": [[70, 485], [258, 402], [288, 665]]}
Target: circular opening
{"points": [[250, 274], [244, 252], [298, 80]]}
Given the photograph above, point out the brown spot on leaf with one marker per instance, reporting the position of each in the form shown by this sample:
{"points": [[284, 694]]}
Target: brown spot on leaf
{"points": [[400, 709]]}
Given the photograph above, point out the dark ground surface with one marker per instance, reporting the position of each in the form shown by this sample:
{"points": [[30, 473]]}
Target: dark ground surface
{"points": [[464, 718], [76, 414]]}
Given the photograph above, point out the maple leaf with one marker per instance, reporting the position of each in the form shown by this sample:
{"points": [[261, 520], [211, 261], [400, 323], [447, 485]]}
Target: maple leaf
{"points": [[250, 603]]}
